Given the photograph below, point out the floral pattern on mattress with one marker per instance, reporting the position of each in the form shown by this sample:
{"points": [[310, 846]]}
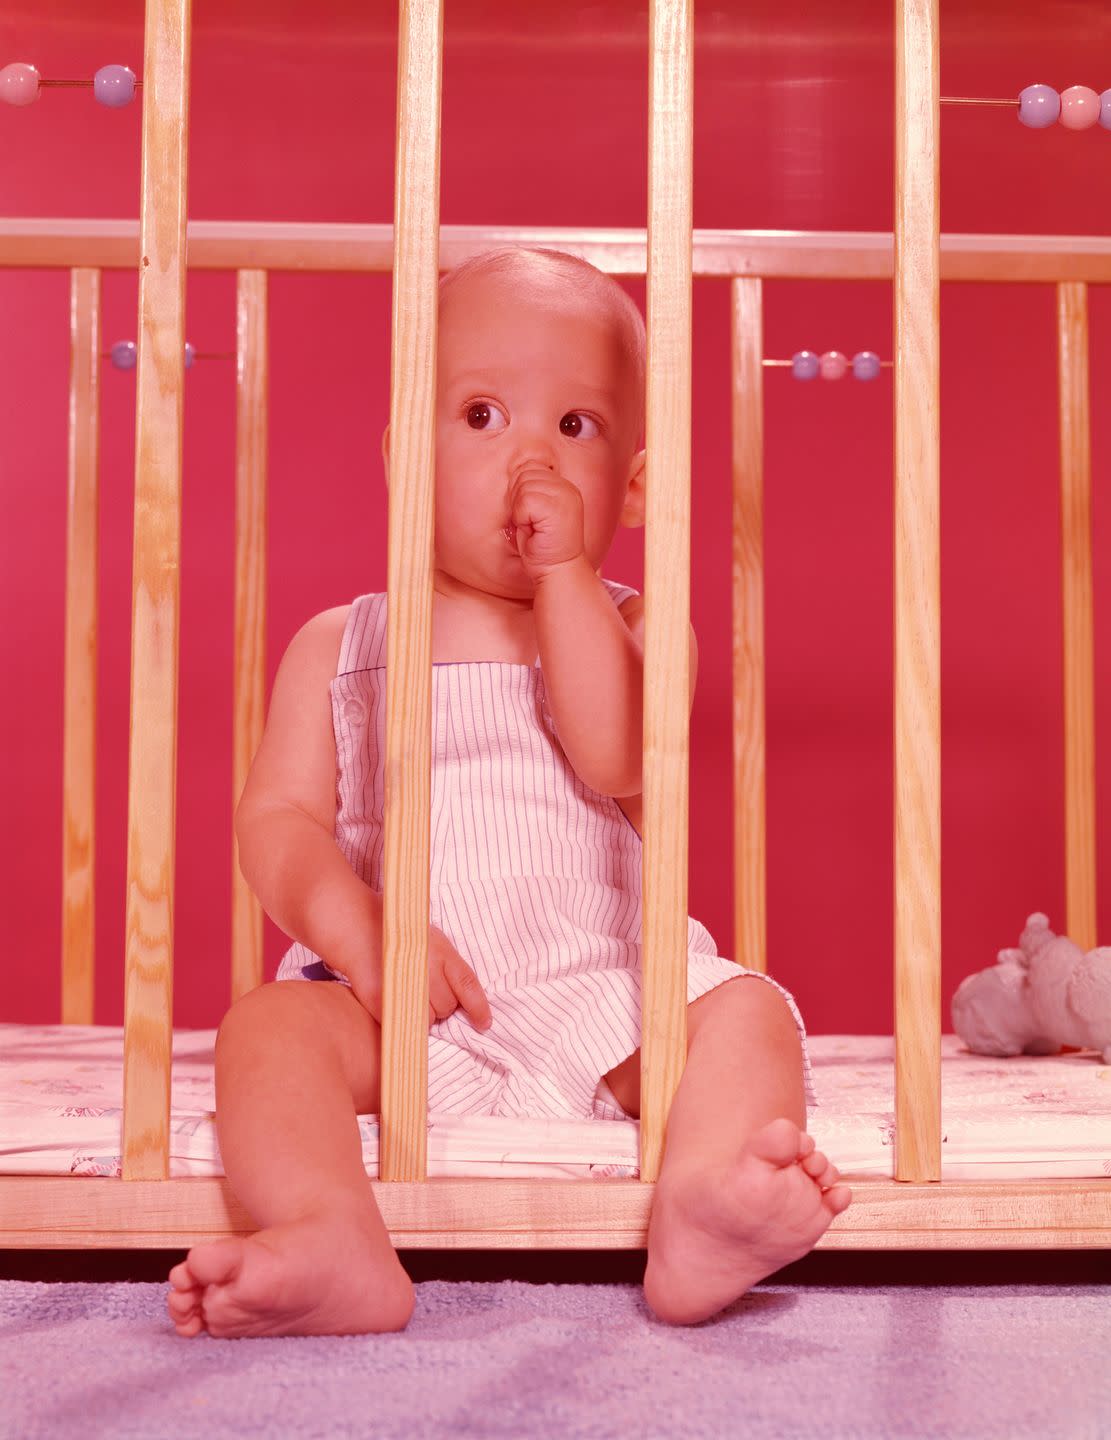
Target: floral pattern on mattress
{"points": [[61, 1096]]}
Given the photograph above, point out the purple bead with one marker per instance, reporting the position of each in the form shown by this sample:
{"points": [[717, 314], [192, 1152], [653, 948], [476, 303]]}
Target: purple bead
{"points": [[19, 83], [805, 365], [1105, 109], [190, 355], [866, 365], [114, 86], [124, 354], [1039, 106]]}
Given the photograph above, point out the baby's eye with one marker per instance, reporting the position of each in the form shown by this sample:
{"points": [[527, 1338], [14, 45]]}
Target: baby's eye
{"points": [[479, 413], [572, 424]]}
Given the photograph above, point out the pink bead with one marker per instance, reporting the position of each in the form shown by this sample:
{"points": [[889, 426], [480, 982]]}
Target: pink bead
{"points": [[19, 84], [834, 365], [1079, 108]]}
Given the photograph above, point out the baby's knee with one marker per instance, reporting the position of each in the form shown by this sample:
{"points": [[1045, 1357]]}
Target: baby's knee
{"points": [[265, 1015], [243, 1026], [756, 1005], [306, 1024]]}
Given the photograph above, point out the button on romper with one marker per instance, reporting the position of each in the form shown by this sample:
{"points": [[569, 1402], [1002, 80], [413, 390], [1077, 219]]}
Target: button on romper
{"points": [[535, 878]]}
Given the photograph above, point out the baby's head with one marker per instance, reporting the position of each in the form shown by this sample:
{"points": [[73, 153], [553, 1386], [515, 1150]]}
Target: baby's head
{"points": [[541, 361]]}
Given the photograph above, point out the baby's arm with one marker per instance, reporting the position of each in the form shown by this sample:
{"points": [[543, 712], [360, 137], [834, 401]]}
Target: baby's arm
{"points": [[285, 820], [593, 661]]}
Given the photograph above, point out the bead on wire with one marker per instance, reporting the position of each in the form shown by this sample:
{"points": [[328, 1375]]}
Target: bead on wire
{"points": [[124, 355], [832, 365], [1040, 106], [112, 85]]}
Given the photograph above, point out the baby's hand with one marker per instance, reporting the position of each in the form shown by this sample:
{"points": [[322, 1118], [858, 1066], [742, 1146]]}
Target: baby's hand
{"points": [[547, 513], [452, 983]]}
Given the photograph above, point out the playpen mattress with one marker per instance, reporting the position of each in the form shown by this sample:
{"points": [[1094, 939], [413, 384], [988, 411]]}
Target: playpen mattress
{"points": [[1023, 1117]]}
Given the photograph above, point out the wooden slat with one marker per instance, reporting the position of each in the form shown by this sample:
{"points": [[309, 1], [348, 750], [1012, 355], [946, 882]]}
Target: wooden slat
{"points": [[750, 931], [79, 742], [917, 597], [70, 1212], [1077, 615], [773, 254], [156, 584], [251, 422], [667, 575], [404, 1132]]}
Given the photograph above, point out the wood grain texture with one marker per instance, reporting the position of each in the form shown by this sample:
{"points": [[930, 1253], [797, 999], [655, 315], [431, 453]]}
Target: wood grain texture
{"points": [[408, 769], [1077, 614], [77, 1212], [249, 681], [917, 596], [666, 575], [79, 682], [773, 254], [156, 599], [750, 926]]}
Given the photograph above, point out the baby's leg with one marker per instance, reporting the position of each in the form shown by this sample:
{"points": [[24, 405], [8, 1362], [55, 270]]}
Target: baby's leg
{"points": [[295, 1063], [742, 1191]]}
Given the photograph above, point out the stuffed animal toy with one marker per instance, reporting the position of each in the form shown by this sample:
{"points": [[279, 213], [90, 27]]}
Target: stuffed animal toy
{"points": [[1038, 998]]}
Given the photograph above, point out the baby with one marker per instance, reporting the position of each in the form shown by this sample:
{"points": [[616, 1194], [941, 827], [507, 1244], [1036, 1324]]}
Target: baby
{"points": [[535, 924]]}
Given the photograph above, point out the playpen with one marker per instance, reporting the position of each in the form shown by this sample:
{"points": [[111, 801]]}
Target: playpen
{"points": [[913, 1207]]}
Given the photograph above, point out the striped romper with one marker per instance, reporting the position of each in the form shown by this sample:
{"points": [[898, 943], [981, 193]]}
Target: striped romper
{"points": [[534, 878]]}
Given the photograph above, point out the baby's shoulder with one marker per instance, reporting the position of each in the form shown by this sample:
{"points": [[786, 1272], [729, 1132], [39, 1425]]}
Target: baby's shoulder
{"points": [[328, 625], [316, 646]]}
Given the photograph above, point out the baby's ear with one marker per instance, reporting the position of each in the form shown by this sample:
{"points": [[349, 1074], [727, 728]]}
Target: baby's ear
{"points": [[632, 512]]}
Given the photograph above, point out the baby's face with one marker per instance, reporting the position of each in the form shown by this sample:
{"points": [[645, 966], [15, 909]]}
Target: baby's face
{"points": [[527, 377]]}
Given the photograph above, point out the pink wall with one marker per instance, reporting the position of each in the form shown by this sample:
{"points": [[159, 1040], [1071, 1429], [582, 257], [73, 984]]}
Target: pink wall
{"points": [[292, 118]]}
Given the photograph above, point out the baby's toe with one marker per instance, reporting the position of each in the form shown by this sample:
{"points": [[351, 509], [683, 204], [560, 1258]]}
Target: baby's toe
{"points": [[190, 1327], [183, 1302], [815, 1164], [216, 1263], [184, 1309], [837, 1199], [181, 1278], [779, 1141]]}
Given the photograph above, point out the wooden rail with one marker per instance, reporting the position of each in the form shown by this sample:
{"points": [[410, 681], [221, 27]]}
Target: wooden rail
{"points": [[726, 254], [750, 889], [252, 414], [73, 1212], [917, 597], [667, 570], [1077, 614], [79, 717], [405, 908], [156, 598]]}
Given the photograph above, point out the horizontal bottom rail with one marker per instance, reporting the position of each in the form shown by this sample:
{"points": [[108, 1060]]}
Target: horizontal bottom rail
{"points": [[61, 1212]]}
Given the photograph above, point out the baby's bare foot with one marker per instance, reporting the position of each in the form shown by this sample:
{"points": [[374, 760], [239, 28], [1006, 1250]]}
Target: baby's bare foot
{"points": [[325, 1275], [711, 1238]]}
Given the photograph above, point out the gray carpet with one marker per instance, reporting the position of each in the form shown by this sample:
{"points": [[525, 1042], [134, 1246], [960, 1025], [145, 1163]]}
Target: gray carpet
{"points": [[517, 1359]]}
